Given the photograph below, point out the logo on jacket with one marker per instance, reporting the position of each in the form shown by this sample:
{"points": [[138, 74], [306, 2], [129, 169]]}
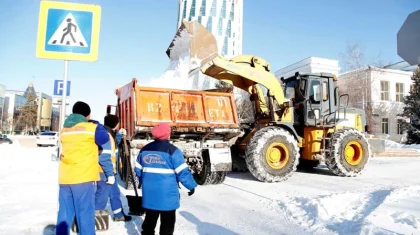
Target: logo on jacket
{"points": [[154, 159]]}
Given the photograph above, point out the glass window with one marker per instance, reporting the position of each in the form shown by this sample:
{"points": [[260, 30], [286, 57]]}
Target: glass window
{"points": [[385, 126], [232, 12], [325, 91], [184, 12], [220, 27], [203, 8], [213, 8], [223, 15], [210, 24], [399, 92], [314, 90], [192, 10], [229, 28], [48, 133], [384, 90], [225, 45]]}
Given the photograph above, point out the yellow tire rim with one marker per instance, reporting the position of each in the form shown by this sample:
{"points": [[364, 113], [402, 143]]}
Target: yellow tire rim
{"points": [[353, 153], [277, 155]]}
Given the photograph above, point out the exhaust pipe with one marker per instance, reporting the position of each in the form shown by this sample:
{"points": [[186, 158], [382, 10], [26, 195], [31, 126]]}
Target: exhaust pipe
{"points": [[193, 40]]}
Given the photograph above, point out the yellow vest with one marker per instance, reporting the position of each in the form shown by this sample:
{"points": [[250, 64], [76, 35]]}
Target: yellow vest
{"points": [[114, 151], [79, 160]]}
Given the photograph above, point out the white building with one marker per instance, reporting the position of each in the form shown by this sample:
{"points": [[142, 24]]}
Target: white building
{"points": [[309, 65], [223, 18], [380, 92]]}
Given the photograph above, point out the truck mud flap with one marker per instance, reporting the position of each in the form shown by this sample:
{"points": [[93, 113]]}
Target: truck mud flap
{"points": [[220, 159]]}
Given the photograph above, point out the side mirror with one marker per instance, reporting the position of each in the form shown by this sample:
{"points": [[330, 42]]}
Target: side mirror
{"points": [[344, 100], [108, 109]]}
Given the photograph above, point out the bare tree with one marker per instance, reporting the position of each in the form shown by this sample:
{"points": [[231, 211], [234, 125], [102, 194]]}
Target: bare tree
{"points": [[358, 78]]}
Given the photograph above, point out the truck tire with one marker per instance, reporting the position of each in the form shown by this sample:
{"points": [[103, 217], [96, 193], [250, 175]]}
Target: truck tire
{"points": [[350, 153], [207, 176], [272, 154]]}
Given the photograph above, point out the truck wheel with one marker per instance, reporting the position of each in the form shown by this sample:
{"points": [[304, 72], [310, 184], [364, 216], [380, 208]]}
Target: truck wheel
{"points": [[207, 176], [272, 154], [350, 153]]}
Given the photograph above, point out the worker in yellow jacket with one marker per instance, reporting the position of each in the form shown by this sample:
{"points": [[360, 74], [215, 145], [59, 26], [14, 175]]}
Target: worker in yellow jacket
{"points": [[78, 170]]}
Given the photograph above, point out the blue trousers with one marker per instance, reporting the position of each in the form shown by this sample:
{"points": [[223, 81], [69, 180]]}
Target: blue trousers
{"points": [[76, 200], [105, 191]]}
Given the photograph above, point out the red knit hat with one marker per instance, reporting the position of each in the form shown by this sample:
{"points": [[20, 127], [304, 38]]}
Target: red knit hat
{"points": [[161, 131]]}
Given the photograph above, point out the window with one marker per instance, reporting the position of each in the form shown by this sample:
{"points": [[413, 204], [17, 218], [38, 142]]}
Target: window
{"points": [[385, 126], [324, 91], [203, 8], [192, 10], [223, 15], [399, 92], [184, 11], [213, 8], [384, 90], [399, 127], [314, 92], [210, 24], [220, 27]]}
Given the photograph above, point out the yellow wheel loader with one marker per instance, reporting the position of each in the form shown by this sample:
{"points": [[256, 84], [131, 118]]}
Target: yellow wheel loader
{"points": [[301, 120]]}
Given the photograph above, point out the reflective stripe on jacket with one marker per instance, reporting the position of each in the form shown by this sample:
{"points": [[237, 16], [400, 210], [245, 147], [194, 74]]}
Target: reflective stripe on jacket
{"points": [[160, 166]]}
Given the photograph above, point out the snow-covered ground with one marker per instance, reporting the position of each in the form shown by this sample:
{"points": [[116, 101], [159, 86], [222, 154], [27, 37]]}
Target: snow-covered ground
{"points": [[384, 200]]}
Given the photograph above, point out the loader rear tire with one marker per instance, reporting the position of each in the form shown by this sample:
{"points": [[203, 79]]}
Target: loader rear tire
{"points": [[350, 153], [262, 164]]}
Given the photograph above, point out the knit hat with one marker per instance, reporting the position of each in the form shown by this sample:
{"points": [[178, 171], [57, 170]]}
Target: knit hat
{"points": [[111, 121], [161, 131], [81, 108]]}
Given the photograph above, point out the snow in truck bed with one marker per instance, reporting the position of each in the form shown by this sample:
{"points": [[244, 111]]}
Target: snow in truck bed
{"points": [[384, 200]]}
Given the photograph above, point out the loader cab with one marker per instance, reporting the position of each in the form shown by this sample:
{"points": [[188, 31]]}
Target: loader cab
{"points": [[313, 96]]}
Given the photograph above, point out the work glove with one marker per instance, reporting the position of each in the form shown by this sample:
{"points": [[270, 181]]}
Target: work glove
{"points": [[111, 180], [191, 192], [122, 131]]}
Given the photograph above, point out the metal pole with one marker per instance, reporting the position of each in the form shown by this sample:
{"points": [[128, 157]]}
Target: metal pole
{"points": [[63, 104]]}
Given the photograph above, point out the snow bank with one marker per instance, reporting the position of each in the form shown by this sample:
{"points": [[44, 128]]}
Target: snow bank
{"points": [[392, 144], [376, 211]]}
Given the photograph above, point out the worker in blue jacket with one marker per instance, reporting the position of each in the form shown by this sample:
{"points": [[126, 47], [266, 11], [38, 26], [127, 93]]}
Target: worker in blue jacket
{"points": [[109, 188], [159, 167]]}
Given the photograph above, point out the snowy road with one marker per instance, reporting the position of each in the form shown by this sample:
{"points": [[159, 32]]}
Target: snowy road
{"points": [[385, 200]]}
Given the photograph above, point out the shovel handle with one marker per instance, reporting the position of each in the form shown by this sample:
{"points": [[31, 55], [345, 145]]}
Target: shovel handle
{"points": [[129, 165]]}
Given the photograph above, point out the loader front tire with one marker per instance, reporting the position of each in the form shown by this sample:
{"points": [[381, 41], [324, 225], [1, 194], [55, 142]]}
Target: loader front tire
{"points": [[350, 153], [272, 154]]}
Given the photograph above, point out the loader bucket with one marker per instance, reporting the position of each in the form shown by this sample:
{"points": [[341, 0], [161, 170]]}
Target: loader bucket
{"points": [[193, 39]]}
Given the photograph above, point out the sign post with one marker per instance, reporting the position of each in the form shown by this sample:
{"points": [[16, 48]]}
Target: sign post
{"points": [[69, 32]]}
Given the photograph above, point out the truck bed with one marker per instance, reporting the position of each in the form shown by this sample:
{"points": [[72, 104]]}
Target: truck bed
{"points": [[140, 108]]}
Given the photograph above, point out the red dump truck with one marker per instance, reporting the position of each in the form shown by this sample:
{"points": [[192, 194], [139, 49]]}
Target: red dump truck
{"points": [[204, 126]]}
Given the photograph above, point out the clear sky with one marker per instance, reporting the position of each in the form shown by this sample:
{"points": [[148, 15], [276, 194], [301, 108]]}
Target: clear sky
{"points": [[135, 34]]}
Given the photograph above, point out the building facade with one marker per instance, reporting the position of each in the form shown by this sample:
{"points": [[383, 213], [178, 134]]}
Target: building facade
{"points": [[223, 18], [13, 104], [15, 100], [380, 92]]}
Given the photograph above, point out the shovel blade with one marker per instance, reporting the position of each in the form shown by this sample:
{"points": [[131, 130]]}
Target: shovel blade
{"points": [[101, 221], [135, 205], [194, 40]]}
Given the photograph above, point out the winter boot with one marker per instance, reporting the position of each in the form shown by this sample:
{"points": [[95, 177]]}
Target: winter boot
{"points": [[122, 218]]}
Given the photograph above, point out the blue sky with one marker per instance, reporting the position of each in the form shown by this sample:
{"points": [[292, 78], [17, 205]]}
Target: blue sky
{"points": [[134, 36]]}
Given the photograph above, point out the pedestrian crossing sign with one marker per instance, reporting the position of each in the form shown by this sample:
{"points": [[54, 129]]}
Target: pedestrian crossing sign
{"points": [[68, 31]]}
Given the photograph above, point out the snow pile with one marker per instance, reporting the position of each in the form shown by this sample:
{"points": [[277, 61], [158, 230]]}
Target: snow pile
{"points": [[379, 210], [177, 75], [392, 144]]}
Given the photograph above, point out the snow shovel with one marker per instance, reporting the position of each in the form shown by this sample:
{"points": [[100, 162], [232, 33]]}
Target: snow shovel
{"points": [[135, 203], [101, 221]]}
